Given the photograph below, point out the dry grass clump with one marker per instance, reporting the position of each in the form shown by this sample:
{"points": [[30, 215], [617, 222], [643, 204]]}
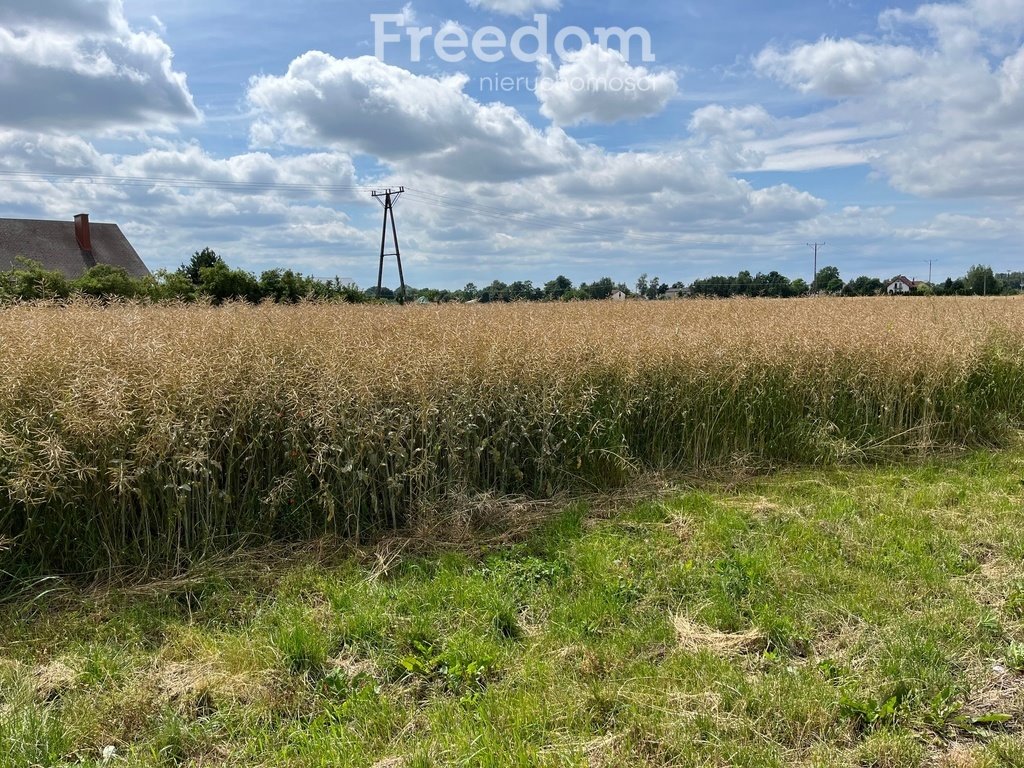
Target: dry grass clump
{"points": [[696, 637], [136, 435]]}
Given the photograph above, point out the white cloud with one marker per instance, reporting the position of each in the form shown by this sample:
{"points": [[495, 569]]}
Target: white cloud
{"points": [[364, 105], [598, 85], [420, 129], [190, 161], [516, 7], [81, 16], [240, 205], [956, 227], [732, 123], [783, 203], [838, 68], [73, 65], [427, 127], [944, 117]]}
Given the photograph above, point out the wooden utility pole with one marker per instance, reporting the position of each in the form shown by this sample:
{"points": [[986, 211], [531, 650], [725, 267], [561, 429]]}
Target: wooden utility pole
{"points": [[815, 246], [929, 262], [388, 198]]}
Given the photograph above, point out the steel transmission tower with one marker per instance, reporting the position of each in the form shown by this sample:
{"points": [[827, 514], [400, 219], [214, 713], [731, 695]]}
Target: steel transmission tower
{"points": [[388, 198]]}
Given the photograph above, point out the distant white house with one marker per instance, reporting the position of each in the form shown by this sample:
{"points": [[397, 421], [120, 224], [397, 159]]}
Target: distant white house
{"points": [[901, 284], [618, 296], [676, 293]]}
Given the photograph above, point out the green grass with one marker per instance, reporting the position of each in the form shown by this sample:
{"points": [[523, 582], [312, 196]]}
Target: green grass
{"points": [[845, 617]]}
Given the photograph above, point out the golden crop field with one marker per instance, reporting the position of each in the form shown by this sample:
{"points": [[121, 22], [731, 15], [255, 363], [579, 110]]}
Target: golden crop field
{"points": [[137, 435]]}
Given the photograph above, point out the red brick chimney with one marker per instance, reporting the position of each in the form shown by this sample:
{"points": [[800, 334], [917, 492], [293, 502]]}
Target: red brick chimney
{"points": [[82, 232]]}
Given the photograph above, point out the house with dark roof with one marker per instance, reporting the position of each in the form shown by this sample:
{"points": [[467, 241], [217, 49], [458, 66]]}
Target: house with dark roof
{"points": [[901, 284], [69, 247]]}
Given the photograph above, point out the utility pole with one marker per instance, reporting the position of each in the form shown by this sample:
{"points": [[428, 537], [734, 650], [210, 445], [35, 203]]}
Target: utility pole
{"points": [[388, 198], [815, 246], [929, 262]]}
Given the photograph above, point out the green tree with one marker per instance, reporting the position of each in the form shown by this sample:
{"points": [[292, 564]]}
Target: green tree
{"points": [[105, 281], [169, 286], [864, 286], [827, 280], [470, 292], [744, 283], [654, 288], [774, 284], [982, 282], [199, 261], [496, 291], [29, 281], [557, 288], [221, 283], [522, 290], [602, 289], [287, 287], [718, 285]]}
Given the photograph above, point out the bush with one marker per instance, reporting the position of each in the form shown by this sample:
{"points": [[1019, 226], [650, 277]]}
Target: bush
{"points": [[105, 282], [28, 281]]}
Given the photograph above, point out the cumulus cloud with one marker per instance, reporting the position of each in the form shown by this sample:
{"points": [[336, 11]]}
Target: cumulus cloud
{"points": [[424, 127], [956, 227], [838, 68], [191, 161], [364, 105], [680, 194], [730, 122], [946, 114], [255, 209], [86, 16], [74, 65], [516, 7], [598, 85], [783, 202]]}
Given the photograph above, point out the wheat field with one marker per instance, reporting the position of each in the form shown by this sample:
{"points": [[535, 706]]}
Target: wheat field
{"points": [[148, 436]]}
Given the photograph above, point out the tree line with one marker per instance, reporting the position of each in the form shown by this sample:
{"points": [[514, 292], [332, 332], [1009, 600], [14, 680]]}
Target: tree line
{"points": [[207, 277], [980, 280]]}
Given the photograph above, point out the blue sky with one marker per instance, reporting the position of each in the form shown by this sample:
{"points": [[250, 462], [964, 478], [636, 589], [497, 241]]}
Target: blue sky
{"points": [[891, 131]]}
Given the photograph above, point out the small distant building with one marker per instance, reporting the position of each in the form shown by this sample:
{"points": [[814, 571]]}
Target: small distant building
{"points": [[68, 247], [901, 284], [618, 296], [676, 293]]}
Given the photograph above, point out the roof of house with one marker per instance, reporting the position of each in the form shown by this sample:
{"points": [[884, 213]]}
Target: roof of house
{"points": [[54, 245], [903, 279]]}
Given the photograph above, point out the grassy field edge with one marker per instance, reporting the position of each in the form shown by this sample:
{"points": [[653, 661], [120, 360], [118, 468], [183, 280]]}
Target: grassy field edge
{"points": [[844, 616]]}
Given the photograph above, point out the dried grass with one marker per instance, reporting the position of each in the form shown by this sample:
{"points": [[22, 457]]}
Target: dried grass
{"points": [[695, 637], [53, 679], [150, 437]]}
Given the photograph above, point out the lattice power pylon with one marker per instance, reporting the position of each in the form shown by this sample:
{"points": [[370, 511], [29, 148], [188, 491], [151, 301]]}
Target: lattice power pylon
{"points": [[388, 198]]}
